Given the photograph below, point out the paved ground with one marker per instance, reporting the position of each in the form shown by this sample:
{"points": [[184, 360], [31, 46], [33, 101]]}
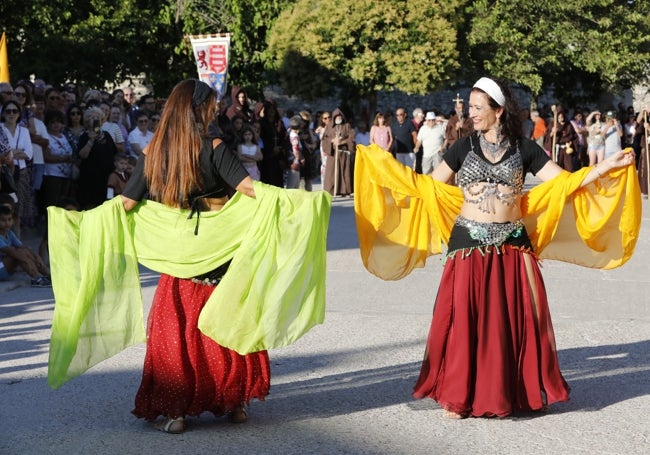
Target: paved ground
{"points": [[345, 388]]}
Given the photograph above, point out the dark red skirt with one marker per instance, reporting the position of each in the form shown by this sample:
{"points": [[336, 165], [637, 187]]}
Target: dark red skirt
{"points": [[187, 373], [491, 349]]}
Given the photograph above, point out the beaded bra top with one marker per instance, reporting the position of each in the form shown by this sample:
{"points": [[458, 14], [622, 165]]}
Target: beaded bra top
{"points": [[483, 182]]}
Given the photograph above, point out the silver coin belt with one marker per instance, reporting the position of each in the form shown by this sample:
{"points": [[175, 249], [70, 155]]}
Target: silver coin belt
{"points": [[491, 233]]}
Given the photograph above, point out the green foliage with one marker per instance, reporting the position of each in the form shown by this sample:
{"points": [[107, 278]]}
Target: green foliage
{"points": [[93, 42], [357, 46], [251, 21], [363, 46], [543, 43], [247, 21]]}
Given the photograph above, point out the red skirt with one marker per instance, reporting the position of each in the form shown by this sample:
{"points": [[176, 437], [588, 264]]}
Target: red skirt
{"points": [[491, 349], [187, 373]]}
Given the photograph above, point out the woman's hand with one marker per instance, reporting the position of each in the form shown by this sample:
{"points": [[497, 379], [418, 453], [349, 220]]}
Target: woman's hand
{"points": [[128, 203], [92, 135], [246, 187], [618, 160], [19, 154]]}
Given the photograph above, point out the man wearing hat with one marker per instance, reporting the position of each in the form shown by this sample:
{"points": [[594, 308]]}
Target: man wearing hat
{"points": [[431, 137]]}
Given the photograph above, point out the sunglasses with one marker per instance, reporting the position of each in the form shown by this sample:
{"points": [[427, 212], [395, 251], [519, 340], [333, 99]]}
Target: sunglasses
{"points": [[20, 94], [155, 119], [75, 113], [326, 118], [11, 111], [7, 92]]}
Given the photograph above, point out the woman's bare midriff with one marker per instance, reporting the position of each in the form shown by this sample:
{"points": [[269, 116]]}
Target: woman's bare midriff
{"points": [[503, 212], [215, 203]]}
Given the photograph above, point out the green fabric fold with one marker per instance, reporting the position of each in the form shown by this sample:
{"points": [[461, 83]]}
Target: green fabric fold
{"points": [[272, 294]]}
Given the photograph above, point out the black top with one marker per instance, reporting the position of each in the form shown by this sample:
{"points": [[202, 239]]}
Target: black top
{"points": [[403, 137], [533, 158], [220, 169], [532, 155], [95, 169]]}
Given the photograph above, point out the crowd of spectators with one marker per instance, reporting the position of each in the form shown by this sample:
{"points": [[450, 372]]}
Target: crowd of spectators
{"points": [[61, 143]]}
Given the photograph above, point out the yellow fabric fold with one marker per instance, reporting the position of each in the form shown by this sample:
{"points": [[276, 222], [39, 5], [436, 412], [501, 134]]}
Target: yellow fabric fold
{"points": [[596, 226], [403, 217], [273, 292], [398, 226]]}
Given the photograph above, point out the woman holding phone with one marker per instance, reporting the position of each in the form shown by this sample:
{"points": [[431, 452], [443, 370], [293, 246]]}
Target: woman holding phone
{"points": [[97, 152]]}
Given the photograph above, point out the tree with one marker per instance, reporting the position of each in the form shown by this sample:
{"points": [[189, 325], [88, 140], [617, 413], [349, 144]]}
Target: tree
{"points": [[94, 42], [357, 46], [364, 46], [246, 20], [601, 43], [253, 19]]}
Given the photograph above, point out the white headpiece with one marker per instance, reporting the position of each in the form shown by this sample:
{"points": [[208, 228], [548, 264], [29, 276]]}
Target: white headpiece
{"points": [[491, 88]]}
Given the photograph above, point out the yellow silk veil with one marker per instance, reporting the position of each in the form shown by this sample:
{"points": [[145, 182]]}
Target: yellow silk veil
{"points": [[273, 292], [403, 217]]}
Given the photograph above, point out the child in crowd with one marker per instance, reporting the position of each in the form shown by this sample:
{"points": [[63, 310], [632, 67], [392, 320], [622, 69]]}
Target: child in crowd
{"points": [[131, 166], [8, 201], [297, 152], [118, 178], [13, 255], [249, 152]]}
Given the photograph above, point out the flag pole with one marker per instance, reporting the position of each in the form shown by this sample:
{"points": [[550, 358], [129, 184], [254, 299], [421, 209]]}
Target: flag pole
{"points": [[4, 60]]}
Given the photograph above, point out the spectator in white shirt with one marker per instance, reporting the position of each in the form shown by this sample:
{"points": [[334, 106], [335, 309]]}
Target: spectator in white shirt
{"points": [[431, 137], [141, 135], [112, 128]]}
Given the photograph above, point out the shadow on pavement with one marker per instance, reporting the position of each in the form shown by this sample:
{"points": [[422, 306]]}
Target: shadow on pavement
{"points": [[601, 376]]}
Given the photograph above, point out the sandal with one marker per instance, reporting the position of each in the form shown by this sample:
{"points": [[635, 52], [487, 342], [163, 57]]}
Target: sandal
{"points": [[172, 426], [239, 414]]}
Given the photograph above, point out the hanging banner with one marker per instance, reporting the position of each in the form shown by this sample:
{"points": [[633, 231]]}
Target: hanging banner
{"points": [[211, 54]]}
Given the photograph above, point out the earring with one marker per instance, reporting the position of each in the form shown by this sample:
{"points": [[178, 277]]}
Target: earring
{"points": [[499, 132]]}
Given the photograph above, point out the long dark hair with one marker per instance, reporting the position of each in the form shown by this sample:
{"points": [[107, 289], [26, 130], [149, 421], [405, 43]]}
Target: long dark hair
{"points": [[510, 120], [172, 165]]}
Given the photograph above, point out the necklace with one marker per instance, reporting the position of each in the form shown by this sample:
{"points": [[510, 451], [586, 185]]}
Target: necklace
{"points": [[495, 151]]}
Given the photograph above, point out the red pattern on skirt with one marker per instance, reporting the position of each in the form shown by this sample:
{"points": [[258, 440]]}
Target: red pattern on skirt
{"points": [[491, 349], [187, 373]]}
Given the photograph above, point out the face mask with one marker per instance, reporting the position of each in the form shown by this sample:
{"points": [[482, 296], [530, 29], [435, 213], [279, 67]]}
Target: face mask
{"points": [[338, 121]]}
